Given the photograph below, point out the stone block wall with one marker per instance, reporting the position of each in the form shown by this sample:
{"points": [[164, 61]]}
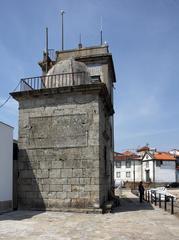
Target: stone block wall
{"points": [[105, 152], [59, 152]]}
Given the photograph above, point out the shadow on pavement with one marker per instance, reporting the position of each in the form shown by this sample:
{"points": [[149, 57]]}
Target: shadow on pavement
{"points": [[132, 204], [18, 215]]}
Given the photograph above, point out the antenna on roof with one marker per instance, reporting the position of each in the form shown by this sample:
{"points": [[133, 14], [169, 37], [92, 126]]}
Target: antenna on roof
{"points": [[46, 48], [101, 32], [80, 43], [62, 13]]}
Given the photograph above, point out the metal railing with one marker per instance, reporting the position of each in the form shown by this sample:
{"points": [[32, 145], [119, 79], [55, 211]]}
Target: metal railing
{"points": [[162, 200], [53, 81]]}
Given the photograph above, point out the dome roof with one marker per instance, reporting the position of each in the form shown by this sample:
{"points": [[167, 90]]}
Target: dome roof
{"points": [[68, 66], [67, 73]]}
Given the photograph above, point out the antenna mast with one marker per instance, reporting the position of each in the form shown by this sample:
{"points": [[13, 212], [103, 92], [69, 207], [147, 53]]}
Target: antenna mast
{"points": [[101, 32], [80, 43], [46, 43], [62, 13]]}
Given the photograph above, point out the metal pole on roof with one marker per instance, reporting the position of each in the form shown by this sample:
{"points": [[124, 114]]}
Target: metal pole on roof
{"points": [[101, 32], [80, 43], [46, 31], [62, 13]]}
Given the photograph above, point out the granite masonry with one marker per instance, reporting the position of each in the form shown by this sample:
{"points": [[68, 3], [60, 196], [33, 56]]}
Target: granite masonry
{"points": [[65, 159]]}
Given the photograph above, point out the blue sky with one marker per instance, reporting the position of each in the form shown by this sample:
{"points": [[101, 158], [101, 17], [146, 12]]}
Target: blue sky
{"points": [[143, 36]]}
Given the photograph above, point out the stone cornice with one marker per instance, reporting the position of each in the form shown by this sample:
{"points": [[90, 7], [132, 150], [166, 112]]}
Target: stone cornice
{"points": [[98, 88]]}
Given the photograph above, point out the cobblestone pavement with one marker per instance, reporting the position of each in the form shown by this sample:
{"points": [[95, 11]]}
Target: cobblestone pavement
{"points": [[131, 221]]}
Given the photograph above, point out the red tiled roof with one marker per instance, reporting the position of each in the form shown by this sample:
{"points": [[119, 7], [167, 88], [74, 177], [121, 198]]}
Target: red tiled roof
{"points": [[164, 156], [126, 155], [143, 149], [116, 155]]}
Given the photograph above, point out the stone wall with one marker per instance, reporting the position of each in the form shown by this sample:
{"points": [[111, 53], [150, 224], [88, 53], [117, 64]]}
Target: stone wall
{"points": [[61, 162], [82, 52], [106, 148]]}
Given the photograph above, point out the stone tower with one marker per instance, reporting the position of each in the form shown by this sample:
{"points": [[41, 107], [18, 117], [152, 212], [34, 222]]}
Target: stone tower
{"points": [[65, 142]]}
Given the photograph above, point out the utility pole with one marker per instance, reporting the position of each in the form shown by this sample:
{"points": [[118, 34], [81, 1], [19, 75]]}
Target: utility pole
{"points": [[154, 164], [134, 173]]}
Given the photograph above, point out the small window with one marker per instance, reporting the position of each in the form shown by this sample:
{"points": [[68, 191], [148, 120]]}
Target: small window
{"points": [[147, 164], [128, 163], [118, 174], [96, 78], [118, 164], [159, 163], [128, 174]]}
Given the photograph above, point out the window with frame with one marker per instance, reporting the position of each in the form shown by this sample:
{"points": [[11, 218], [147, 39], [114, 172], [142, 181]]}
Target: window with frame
{"points": [[128, 174], [118, 174], [118, 164], [128, 163]]}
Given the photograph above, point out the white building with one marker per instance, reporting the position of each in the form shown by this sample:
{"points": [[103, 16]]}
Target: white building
{"points": [[6, 166], [175, 153], [147, 165], [159, 167], [127, 167]]}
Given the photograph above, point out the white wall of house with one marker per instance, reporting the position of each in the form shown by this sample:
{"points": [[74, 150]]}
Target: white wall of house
{"points": [[147, 170], [126, 172], [166, 172], [6, 162]]}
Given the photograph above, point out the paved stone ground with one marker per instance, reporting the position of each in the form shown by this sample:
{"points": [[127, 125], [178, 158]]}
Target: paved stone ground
{"points": [[131, 221]]}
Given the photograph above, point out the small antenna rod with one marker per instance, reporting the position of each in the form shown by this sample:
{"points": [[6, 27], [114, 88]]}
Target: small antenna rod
{"points": [[46, 49], [80, 38], [62, 13], [101, 32], [80, 43]]}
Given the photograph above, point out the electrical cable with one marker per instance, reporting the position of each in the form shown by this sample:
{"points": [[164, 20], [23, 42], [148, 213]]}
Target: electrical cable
{"points": [[2, 105]]}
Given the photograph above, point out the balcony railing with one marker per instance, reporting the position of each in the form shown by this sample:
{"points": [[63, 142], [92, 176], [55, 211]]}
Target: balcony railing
{"points": [[53, 81]]}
